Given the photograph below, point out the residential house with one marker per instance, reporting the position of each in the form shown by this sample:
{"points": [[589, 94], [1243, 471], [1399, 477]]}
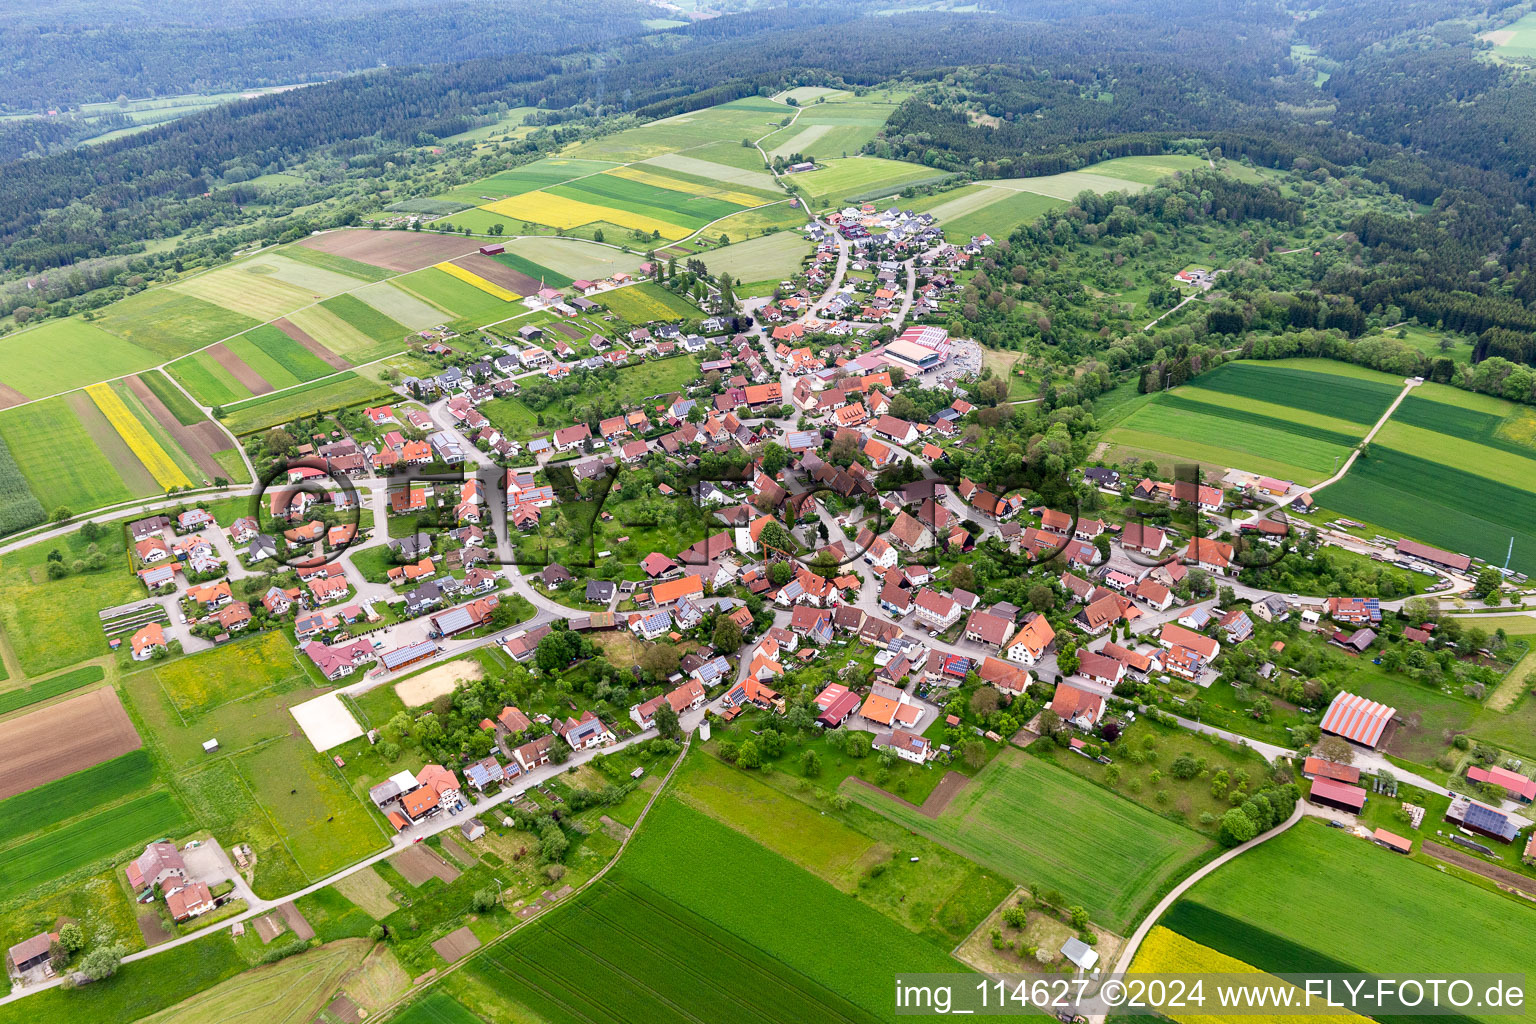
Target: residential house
{"points": [[1028, 646]]}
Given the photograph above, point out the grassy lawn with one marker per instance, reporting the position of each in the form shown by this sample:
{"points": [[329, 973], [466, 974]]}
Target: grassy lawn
{"points": [[203, 682], [1038, 825], [52, 624]]}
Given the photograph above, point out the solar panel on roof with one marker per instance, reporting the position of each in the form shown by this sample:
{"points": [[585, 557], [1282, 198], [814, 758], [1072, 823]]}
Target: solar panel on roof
{"points": [[1486, 819]]}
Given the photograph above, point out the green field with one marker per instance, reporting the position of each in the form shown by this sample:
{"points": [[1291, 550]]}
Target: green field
{"points": [[998, 218], [858, 176], [240, 669], [528, 178], [1343, 396], [537, 271], [1440, 505], [173, 397], [1176, 417], [575, 258], [46, 806], [170, 323], [400, 306], [1039, 825], [627, 386], [464, 299], [722, 161], [267, 347], [209, 382], [651, 942], [1421, 921], [320, 396], [79, 353], [322, 823], [11, 700], [765, 258], [224, 804], [1515, 42], [370, 321], [52, 624], [642, 303], [89, 839], [40, 434], [726, 125], [617, 193], [436, 1008]]}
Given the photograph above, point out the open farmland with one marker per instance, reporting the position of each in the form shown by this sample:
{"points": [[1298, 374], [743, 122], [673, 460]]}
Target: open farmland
{"points": [[859, 177], [1421, 920], [1440, 505], [80, 353], [464, 300], [65, 798], [63, 738], [52, 624], [696, 133], [292, 991], [572, 258], [37, 433], [612, 935], [13, 700], [400, 251], [169, 323], [324, 395], [527, 178], [1340, 395], [765, 258], [642, 303], [1516, 42], [87, 840], [1037, 824]]}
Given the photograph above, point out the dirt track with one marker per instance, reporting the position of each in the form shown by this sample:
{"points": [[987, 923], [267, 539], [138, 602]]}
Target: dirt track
{"points": [[1465, 860], [252, 381], [63, 738], [947, 789], [316, 349], [499, 273], [199, 441], [393, 250]]}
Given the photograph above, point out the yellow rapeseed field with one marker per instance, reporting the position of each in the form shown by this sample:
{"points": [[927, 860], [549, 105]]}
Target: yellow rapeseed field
{"points": [[688, 187], [1167, 952], [489, 287], [166, 473], [560, 212]]}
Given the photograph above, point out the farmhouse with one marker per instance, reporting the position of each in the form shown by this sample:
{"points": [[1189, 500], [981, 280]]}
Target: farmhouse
{"points": [[189, 901], [1516, 785], [158, 863], [1317, 767]]}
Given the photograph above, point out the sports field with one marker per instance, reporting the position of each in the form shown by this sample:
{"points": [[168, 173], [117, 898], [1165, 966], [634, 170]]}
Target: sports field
{"points": [[642, 303], [859, 177], [1421, 921], [1039, 825], [765, 258]]}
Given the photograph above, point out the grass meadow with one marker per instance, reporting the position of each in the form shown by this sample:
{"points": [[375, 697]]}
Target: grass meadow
{"points": [[765, 258], [79, 353], [240, 669], [642, 303], [12, 700], [169, 323], [465, 300], [856, 176], [52, 624], [62, 461], [1039, 825]]}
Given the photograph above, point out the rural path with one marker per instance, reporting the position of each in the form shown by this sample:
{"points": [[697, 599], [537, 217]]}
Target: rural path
{"points": [[1128, 952], [1408, 385], [406, 839], [1188, 298]]}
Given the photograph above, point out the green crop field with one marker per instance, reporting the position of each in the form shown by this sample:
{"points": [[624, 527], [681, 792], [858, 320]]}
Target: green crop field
{"points": [[1039, 825], [575, 258], [642, 303], [648, 200], [321, 821], [1506, 463], [319, 396], [1276, 414], [293, 359], [401, 306], [237, 725], [173, 398], [170, 323], [39, 437], [367, 319], [79, 353], [528, 178], [732, 163], [252, 289], [209, 382], [650, 942], [11, 700], [104, 834], [857, 176], [765, 258], [726, 123], [1440, 505], [52, 624], [1422, 922], [436, 1008], [1330, 394], [1515, 42], [46, 806], [999, 217], [1179, 420], [235, 671], [464, 299], [537, 271]]}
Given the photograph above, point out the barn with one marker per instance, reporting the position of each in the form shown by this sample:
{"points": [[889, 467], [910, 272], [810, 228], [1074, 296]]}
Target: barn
{"points": [[1328, 792], [1357, 719]]}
